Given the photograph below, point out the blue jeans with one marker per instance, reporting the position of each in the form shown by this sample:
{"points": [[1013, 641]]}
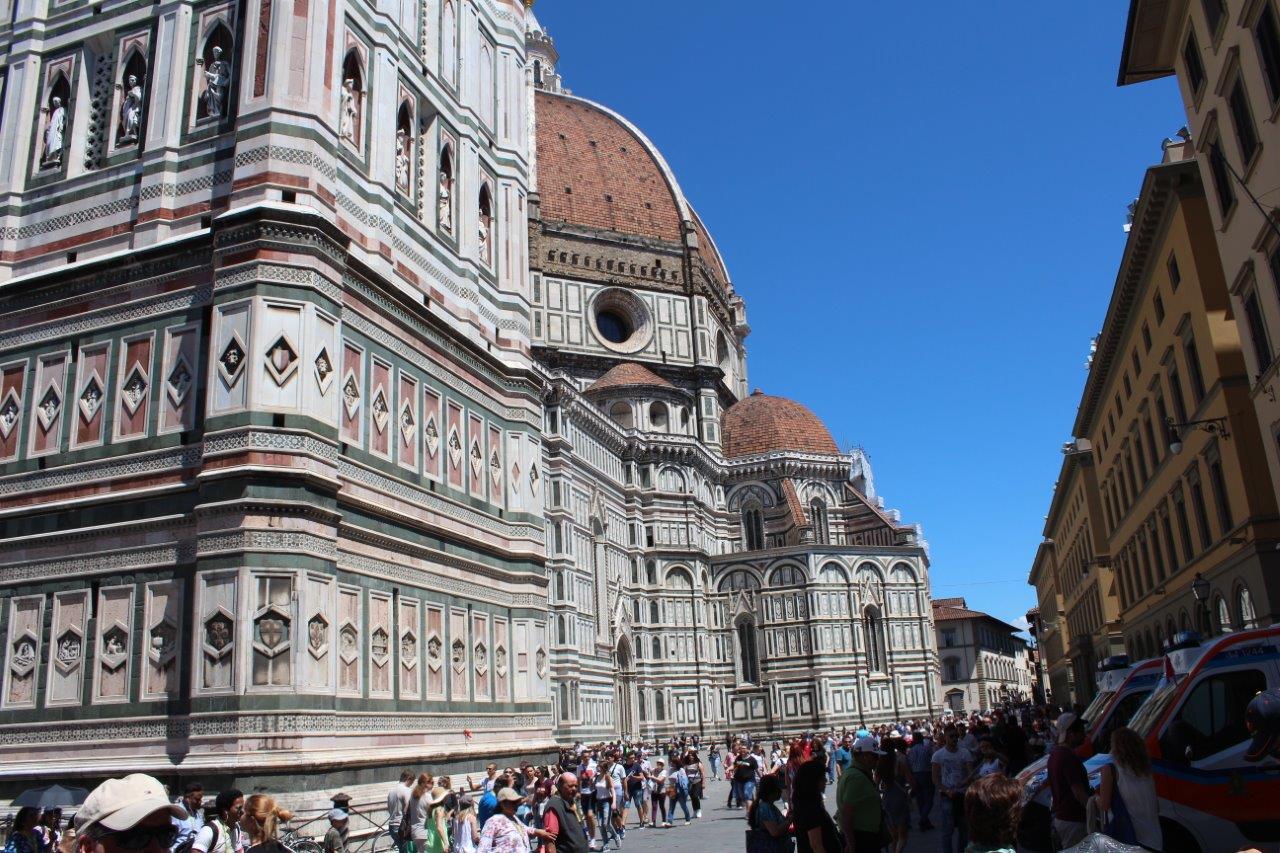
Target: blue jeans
{"points": [[638, 803], [735, 795], [681, 800], [748, 791], [604, 817], [953, 822]]}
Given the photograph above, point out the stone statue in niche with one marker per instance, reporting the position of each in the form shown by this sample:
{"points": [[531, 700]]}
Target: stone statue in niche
{"points": [[482, 235], [402, 161], [349, 118], [53, 134], [131, 111], [444, 206], [217, 83]]}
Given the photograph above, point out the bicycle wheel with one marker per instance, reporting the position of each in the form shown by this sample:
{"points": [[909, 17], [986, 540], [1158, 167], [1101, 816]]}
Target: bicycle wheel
{"points": [[303, 845], [383, 842]]}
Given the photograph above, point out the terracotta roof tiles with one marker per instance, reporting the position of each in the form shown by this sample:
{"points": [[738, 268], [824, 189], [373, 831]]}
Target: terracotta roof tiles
{"points": [[628, 374], [763, 424]]}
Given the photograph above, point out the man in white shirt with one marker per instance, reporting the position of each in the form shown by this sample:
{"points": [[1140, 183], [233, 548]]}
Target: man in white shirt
{"points": [[951, 768], [221, 832], [397, 804]]}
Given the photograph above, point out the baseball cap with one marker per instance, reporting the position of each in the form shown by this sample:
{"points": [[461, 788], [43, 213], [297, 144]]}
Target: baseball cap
{"points": [[1263, 719], [506, 795], [120, 804], [867, 744]]}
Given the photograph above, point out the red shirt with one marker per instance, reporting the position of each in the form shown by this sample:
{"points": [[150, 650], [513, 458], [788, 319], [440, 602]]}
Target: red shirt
{"points": [[1065, 770]]}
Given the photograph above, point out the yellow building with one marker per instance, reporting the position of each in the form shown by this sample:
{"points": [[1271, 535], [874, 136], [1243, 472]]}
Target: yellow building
{"points": [[1048, 627], [1162, 482], [1226, 55]]}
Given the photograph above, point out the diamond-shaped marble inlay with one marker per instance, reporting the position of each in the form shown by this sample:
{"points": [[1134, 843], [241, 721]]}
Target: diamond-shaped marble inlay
{"points": [[500, 660], [24, 655], [407, 423], [459, 655], [231, 361], [272, 630], [134, 390], [542, 663], [90, 399], [114, 644], [408, 647], [455, 448], [317, 633], [70, 649], [282, 360], [435, 649], [379, 643], [351, 394], [348, 641], [515, 476], [324, 370], [164, 639], [432, 435], [217, 631], [49, 407], [495, 467], [381, 414], [533, 478], [178, 382], [482, 657], [10, 411], [477, 459]]}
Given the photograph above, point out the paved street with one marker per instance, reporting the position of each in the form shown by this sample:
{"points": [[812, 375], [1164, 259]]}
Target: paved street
{"points": [[721, 830]]}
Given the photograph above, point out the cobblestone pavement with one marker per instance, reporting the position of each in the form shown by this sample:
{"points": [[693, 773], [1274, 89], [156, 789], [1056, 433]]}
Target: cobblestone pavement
{"points": [[721, 830]]}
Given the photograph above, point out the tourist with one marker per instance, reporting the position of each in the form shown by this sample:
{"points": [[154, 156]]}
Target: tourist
{"points": [[677, 793], [636, 779], [563, 831], [335, 837], [129, 815], [992, 806], [603, 804], [1069, 783], [952, 766], [968, 740], [490, 778], [713, 759], [192, 803], [502, 833], [658, 794], [989, 761], [23, 837], [397, 804], [919, 759], [50, 829], [418, 813], [895, 799], [745, 771], [464, 830], [768, 827], [858, 800], [815, 830], [587, 794], [697, 775], [844, 755], [221, 832], [1128, 793], [261, 823]]}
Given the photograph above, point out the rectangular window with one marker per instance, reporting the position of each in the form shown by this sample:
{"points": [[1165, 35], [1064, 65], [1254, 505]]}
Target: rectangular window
{"points": [[1257, 331], [1133, 480], [1128, 387], [1179, 403], [1202, 514], [1137, 365], [1158, 302], [1267, 33], [1219, 484], [1142, 459], [1146, 337], [1184, 526], [1194, 371], [1221, 178], [1162, 414], [1195, 66], [1242, 119], [1152, 446], [1214, 12], [1166, 526]]}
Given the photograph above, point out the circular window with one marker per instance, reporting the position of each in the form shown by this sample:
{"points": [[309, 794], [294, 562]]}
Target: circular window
{"points": [[620, 320], [613, 327]]}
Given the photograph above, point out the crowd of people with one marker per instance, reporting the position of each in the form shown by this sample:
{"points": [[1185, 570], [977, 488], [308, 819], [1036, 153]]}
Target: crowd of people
{"points": [[959, 770]]}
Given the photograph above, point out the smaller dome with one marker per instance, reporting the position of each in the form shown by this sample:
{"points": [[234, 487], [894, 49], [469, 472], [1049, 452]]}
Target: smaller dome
{"points": [[764, 424], [628, 374]]}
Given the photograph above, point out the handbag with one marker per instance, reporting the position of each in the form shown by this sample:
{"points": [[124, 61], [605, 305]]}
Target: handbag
{"points": [[1119, 823]]}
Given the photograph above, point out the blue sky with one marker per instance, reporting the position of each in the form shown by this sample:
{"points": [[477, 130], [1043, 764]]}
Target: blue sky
{"points": [[922, 205]]}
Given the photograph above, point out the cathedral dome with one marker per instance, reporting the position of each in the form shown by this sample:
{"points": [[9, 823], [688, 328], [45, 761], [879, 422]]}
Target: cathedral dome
{"points": [[597, 170], [763, 424], [628, 375]]}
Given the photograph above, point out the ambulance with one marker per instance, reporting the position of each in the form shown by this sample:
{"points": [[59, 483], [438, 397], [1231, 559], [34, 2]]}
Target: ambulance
{"points": [[1193, 723], [1122, 689]]}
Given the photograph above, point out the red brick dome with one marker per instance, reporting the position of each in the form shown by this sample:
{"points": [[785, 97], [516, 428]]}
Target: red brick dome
{"points": [[763, 424]]}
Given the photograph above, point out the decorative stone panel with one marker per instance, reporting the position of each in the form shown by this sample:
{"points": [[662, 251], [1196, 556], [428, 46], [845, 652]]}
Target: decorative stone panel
{"points": [[409, 648], [22, 651], [380, 640], [433, 436], [380, 414], [459, 681], [272, 631], [407, 422], [480, 655], [493, 459], [228, 389], [350, 628], [13, 377], [501, 660], [216, 632], [49, 412], [69, 646], [352, 394], [278, 332], [92, 369], [436, 652], [113, 672], [162, 629], [133, 388], [453, 444], [179, 366], [475, 456], [317, 662]]}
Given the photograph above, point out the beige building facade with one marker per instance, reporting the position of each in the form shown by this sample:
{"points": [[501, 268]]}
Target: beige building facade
{"points": [[1161, 483], [983, 661], [1226, 55]]}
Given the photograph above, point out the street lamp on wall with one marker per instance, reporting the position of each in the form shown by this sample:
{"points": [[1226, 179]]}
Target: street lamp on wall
{"points": [[1200, 589], [1174, 431]]}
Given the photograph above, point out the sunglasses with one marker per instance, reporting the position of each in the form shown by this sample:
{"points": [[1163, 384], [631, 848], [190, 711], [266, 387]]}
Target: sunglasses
{"points": [[142, 837]]}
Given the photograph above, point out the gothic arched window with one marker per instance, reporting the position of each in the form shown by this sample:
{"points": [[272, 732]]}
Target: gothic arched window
{"points": [[753, 527], [657, 648], [655, 615], [444, 190], [1223, 615], [818, 518], [748, 659], [873, 630], [1248, 616], [484, 226]]}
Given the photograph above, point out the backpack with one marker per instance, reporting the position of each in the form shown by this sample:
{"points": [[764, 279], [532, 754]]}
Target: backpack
{"points": [[185, 847], [682, 782]]}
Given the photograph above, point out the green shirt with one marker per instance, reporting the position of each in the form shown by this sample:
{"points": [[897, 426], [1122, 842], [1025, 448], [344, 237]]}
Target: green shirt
{"points": [[857, 790]]}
